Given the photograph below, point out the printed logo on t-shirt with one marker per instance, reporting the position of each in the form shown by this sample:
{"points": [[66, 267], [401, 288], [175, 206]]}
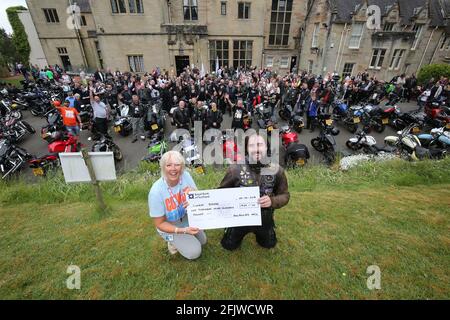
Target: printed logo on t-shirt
{"points": [[70, 114]]}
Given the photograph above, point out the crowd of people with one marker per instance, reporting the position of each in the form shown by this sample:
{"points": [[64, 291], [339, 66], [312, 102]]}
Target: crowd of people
{"points": [[193, 96]]}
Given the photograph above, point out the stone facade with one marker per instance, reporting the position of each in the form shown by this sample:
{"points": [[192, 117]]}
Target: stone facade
{"points": [[37, 56], [328, 45], [161, 34]]}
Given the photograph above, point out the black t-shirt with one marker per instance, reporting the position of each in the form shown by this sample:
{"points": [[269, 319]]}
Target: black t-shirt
{"points": [[136, 110]]}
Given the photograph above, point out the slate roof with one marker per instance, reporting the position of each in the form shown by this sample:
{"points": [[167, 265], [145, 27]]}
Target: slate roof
{"points": [[439, 10]]}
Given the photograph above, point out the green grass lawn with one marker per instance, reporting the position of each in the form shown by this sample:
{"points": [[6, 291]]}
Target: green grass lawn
{"points": [[13, 80], [394, 215]]}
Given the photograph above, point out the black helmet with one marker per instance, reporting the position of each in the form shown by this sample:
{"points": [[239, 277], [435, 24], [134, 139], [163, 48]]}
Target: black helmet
{"points": [[335, 131]]}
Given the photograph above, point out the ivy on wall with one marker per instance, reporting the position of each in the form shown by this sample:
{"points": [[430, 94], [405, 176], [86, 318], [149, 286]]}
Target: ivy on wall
{"points": [[19, 38]]}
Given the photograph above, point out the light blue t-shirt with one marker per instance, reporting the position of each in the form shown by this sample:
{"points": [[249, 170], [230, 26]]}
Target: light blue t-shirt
{"points": [[71, 101], [161, 203]]}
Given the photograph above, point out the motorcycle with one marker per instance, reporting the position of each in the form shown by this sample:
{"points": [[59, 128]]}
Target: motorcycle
{"points": [[10, 109], [367, 143], [437, 115], [16, 129], [230, 148], [122, 125], [264, 117], [155, 119], [67, 143], [340, 112], [410, 147], [415, 119], [325, 142], [12, 158], [189, 150], [105, 144], [54, 130], [40, 166], [371, 118], [156, 148], [85, 116], [296, 154], [438, 137]]}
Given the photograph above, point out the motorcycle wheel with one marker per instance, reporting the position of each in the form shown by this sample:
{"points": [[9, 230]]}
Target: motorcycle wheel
{"points": [[34, 112], [353, 146], [282, 115], [124, 133], [118, 156], [330, 157], [16, 114], [298, 129], [316, 144], [29, 128], [352, 128], [379, 127]]}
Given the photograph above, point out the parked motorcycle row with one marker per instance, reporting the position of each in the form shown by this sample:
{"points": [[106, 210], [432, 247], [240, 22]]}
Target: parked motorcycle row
{"points": [[420, 134], [39, 100]]}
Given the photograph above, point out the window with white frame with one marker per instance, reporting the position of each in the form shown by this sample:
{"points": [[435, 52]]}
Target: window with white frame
{"points": [[396, 59], [223, 8], [315, 36], [136, 63], [244, 10], [51, 15], [418, 30], [269, 61], [377, 58], [348, 69], [280, 22], [118, 6], [136, 6], [242, 53], [355, 38], [284, 63], [190, 9], [218, 51]]}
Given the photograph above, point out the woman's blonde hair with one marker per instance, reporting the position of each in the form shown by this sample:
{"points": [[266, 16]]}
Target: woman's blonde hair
{"points": [[176, 156]]}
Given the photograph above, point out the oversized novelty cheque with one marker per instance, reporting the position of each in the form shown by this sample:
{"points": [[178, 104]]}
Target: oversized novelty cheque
{"points": [[224, 208]]}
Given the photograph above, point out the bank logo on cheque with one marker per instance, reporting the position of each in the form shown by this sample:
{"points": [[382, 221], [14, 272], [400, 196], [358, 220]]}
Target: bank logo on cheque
{"points": [[199, 195]]}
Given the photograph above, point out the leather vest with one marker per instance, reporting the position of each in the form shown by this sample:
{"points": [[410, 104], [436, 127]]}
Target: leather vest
{"points": [[266, 183]]}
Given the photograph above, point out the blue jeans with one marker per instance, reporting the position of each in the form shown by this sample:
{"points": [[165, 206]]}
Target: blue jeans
{"points": [[73, 130]]}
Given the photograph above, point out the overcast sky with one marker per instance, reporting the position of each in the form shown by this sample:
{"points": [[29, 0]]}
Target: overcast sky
{"points": [[4, 4]]}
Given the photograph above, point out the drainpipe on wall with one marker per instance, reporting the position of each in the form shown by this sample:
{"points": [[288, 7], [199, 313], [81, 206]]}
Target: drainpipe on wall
{"points": [[302, 34], [426, 48], [327, 44], [339, 49], [437, 46], [80, 41], [343, 47]]}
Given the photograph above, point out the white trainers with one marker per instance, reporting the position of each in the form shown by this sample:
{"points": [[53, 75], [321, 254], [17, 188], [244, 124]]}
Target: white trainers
{"points": [[90, 138], [171, 247], [142, 137]]}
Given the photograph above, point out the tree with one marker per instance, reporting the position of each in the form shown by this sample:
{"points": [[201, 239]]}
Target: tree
{"points": [[7, 52], [19, 38], [435, 71]]}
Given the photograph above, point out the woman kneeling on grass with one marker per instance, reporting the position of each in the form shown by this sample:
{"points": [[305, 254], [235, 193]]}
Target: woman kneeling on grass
{"points": [[167, 203]]}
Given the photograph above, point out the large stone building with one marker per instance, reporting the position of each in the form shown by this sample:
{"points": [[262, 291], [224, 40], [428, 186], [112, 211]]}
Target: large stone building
{"points": [[315, 35], [410, 34], [139, 35]]}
